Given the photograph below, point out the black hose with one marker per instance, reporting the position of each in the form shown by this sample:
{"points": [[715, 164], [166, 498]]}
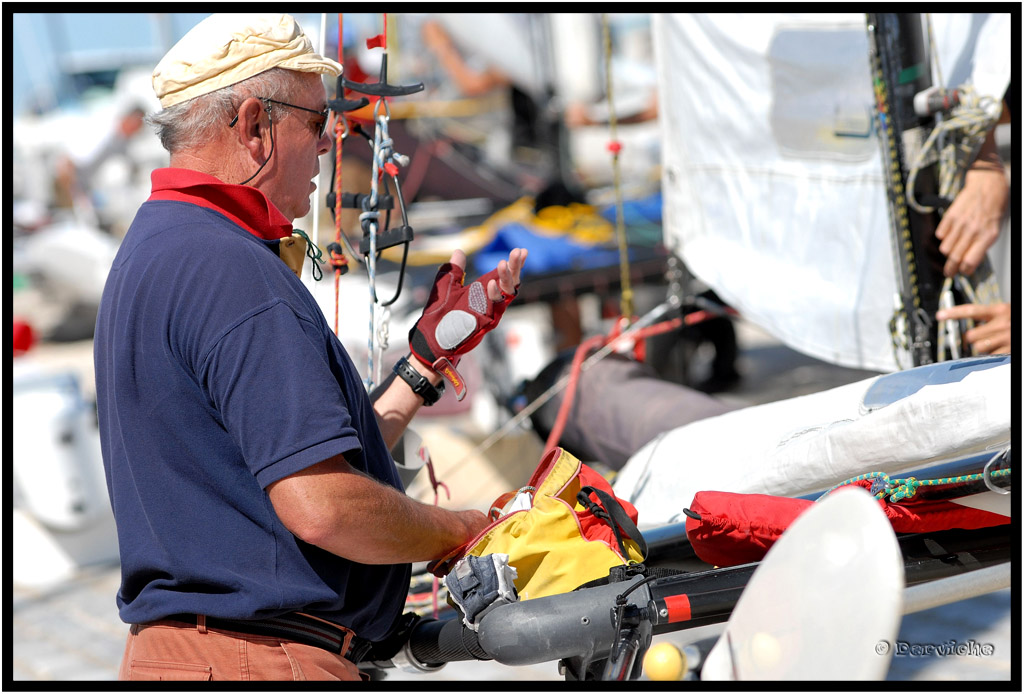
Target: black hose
{"points": [[620, 663], [434, 642]]}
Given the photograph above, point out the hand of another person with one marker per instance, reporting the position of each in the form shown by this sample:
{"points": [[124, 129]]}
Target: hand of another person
{"points": [[971, 224], [993, 335], [576, 115], [434, 37]]}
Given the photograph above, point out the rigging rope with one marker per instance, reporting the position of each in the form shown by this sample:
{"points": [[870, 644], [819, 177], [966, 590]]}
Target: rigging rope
{"points": [[614, 146], [436, 484], [630, 334], [897, 489], [956, 141], [561, 383], [949, 329], [577, 364], [338, 260], [934, 53], [368, 220], [314, 196]]}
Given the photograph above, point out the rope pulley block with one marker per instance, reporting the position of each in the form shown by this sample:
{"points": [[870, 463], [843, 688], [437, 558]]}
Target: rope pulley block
{"points": [[373, 203]]}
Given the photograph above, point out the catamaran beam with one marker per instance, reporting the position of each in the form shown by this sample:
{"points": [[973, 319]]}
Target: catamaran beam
{"points": [[955, 588], [940, 567]]}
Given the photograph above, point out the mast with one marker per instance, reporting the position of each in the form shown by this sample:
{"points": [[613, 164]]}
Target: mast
{"points": [[901, 68]]}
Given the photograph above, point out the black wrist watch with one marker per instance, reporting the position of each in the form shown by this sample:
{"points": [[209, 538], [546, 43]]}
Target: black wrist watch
{"points": [[419, 383]]}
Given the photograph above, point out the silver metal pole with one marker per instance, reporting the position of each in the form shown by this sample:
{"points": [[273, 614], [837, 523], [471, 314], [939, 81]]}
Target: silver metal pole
{"points": [[954, 588]]}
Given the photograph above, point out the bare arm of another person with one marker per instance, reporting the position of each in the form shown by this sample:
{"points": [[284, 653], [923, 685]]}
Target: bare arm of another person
{"points": [[469, 81], [579, 114], [971, 224], [993, 335]]}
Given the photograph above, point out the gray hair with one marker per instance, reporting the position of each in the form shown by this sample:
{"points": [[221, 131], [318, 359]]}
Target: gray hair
{"points": [[193, 122]]}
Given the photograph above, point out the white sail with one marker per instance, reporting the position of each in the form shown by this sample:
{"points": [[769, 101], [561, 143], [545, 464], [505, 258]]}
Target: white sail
{"points": [[772, 173]]}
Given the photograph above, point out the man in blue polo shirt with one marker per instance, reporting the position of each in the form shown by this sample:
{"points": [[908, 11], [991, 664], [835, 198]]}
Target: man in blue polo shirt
{"points": [[264, 532]]}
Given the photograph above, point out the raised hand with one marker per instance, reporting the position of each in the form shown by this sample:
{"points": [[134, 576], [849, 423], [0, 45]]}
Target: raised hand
{"points": [[457, 317]]}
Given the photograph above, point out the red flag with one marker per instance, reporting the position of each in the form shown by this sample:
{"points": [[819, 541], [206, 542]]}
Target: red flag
{"points": [[376, 41]]}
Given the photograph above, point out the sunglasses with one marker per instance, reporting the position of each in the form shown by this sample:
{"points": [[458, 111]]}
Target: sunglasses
{"points": [[319, 125]]}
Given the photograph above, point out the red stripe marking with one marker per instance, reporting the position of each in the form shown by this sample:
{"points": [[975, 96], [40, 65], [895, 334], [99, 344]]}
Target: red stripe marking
{"points": [[678, 608]]}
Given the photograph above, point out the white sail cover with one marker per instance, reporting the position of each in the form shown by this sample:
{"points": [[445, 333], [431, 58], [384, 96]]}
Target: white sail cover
{"points": [[772, 173], [809, 443]]}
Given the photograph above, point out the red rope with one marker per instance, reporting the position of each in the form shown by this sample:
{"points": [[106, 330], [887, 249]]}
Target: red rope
{"points": [[570, 391], [599, 341], [435, 483]]}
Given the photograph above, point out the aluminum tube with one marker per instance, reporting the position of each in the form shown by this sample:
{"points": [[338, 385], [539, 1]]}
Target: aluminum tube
{"points": [[960, 587], [567, 625]]}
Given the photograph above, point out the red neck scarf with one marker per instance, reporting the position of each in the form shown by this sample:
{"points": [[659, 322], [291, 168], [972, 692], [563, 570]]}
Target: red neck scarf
{"points": [[246, 206]]}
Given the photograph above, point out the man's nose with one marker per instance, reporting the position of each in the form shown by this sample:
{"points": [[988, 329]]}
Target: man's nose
{"points": [[325, 142]]}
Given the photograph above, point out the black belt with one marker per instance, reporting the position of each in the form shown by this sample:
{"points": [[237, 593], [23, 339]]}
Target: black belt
{"points": [[293, 626]]}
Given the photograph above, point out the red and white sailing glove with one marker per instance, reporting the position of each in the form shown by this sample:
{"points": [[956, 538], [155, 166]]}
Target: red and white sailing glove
{"points": [[454, 321]]}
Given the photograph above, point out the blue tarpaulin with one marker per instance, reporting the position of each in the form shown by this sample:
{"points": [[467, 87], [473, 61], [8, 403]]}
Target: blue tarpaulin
{"points": [[558, 253]]}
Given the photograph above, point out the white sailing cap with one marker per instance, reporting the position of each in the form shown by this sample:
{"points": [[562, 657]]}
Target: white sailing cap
{"points": [[225, 49]]}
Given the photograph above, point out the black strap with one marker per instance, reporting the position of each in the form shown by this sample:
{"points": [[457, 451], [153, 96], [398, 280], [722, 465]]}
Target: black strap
{"points": [[626, 572], [419, 383], [616, 517], [293, 626]]}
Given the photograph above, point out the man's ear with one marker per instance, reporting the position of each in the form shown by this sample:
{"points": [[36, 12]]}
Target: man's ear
{"points": [[252, 127]]}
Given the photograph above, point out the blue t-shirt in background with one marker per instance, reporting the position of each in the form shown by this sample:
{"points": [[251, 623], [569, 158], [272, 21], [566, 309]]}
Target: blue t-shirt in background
{"points": [[216, 375]]}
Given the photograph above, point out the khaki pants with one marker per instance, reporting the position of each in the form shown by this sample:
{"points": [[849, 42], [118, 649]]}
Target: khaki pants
{"points": [[169, 650]]}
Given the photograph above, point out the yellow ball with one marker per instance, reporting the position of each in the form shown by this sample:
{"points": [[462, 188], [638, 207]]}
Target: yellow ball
{"points": [[665, 663]]}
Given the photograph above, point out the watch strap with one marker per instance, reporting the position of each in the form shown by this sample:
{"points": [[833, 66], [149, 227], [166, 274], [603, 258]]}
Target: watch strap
{"points": [[419, 383]]}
